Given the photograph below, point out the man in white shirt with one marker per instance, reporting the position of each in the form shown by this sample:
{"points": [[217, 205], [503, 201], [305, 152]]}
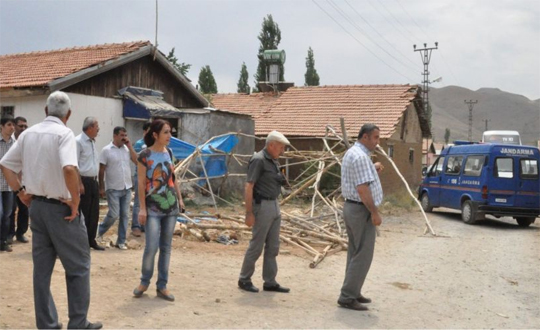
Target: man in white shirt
{"points": [[46, 155], [114, 168], [88, 160], [6, 194]]}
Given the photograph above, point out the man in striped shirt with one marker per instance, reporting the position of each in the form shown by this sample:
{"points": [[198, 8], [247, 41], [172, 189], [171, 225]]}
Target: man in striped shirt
{"points": [[362, 191]]}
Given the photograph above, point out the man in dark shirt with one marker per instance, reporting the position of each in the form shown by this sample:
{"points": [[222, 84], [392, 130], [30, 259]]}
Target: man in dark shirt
{"points": [[263, 186]]}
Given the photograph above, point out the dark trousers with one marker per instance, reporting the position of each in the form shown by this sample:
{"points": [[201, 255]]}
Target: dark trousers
{"points": [[89, 207], [6, 204], [53, 236], [18, 226]]}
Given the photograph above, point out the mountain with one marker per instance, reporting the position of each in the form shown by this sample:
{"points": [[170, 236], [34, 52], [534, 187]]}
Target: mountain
{"points": [[504, 111]]}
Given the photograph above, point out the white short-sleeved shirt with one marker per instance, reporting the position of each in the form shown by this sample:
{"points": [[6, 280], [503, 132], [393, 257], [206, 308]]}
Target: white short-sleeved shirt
{"points": [[118, 171], [41, 152], [87, 155], [356, 169]]}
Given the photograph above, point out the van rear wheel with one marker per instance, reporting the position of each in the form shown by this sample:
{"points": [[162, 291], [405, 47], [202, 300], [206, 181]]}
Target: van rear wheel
{"points": [[468, 212], [425, 202], [525, 221]]}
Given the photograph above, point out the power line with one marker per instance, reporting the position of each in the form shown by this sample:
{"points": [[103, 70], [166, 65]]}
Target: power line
{"points": [[379, 34], [358, 28], [389, 22], [425, 55], [359, 42], [397, 20]]}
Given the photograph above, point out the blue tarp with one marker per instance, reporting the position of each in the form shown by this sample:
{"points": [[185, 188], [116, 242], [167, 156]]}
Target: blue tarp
{"points": [[214, 165]]}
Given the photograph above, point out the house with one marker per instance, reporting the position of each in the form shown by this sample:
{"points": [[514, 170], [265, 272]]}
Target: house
{"points": [[109, 82], [302, 113]]}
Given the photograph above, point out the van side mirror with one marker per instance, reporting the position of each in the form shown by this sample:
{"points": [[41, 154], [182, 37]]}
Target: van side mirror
{"points": [[424, 171]]}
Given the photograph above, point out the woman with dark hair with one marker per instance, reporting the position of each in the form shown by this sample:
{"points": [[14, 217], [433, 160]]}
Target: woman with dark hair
{"points": [[160, 202]]}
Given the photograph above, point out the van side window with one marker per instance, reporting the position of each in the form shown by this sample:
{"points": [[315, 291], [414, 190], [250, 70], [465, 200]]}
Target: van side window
{"points": [[473, 165], [436, 169], [504, 168], [529, 168], [454, 165]]}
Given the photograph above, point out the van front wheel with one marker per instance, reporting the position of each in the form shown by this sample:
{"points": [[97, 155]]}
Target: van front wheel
{"points": [[468, 212], [426, 205], [525, 221]]}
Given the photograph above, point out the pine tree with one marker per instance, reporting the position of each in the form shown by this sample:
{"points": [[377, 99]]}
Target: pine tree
{"points": [[270, 38], [207, 83], [243, 85], [311, 76], [182, 67], [446, 135]]}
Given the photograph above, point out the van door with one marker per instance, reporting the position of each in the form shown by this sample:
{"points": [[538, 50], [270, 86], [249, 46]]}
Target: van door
{"points": [[502, 187], [528, 187], [450, 193], [433, 181]]}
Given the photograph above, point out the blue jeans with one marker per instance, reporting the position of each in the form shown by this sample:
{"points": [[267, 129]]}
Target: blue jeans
{"points": [[136, 207], [118, 201], [6, 206], [159, 233]]}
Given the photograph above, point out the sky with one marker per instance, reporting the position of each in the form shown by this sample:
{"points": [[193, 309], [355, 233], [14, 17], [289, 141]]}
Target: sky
{"points": [[481, 43]]}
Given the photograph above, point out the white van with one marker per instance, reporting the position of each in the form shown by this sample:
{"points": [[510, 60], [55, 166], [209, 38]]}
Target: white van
{"points": [[502, 137]]}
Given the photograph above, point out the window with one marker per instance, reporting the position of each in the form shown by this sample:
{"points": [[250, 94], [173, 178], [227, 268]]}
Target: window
{"points": [[391, 151], [529, 168], [436, 168], [8, 111], [454, 165], [473, 165], [504, 168], [411, 155]]}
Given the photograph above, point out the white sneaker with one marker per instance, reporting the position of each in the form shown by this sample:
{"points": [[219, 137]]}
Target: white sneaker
{"points": [[99, 239], [122, 246]]}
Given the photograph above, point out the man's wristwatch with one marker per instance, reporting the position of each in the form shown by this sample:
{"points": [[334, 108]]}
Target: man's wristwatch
{"points": [[19, 190]]}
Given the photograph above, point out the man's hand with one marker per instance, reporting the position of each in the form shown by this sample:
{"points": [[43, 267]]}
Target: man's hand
{"points": [[379, 167], [376, 219], [250, 219], [81, 189], [74, 206], [101, 192], [25, 198], [142, 216]]}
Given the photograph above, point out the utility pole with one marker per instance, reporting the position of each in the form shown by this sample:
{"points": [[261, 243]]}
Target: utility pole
{"points": [[486, 121], [471, 104], [425, 55]]}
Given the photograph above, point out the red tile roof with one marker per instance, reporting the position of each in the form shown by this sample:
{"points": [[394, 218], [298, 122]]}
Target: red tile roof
{"points": [[39, 68], [305, 111]]}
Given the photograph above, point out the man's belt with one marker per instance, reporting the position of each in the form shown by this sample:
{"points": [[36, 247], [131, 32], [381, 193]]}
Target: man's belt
{"points": [[89, 177], [353, 202], [48, 200]]}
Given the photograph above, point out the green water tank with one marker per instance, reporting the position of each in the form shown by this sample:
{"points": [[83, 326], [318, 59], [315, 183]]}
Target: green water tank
{"points": [[274, 56]]}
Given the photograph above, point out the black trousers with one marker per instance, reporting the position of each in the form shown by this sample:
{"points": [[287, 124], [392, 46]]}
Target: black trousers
{"points": [[19, 227], [89, 207]]}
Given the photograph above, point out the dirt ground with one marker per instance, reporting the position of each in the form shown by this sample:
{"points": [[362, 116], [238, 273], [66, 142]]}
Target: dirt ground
{"points": [[483, 276]]}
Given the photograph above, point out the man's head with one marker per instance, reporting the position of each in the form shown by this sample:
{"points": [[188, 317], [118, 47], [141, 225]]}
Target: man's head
{"points": [[7, 125], [369, 136], [58, 105], [275, 144], [20, 126], [119, 136], [90, 127], [146, 127]]}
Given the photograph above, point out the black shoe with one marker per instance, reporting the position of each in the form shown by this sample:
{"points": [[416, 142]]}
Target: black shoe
{"points": [[353, 304], [276, 288], [363, 300], [4, 246], [97, 325], [160, 294], [22, 239], [247, 286], [10, 239], [97, 247]]}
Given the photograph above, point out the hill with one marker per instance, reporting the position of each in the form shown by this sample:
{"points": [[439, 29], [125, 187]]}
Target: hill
{"points": [[504, 111]]}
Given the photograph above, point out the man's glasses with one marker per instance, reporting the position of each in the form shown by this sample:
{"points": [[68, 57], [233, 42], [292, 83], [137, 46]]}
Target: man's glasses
{"points": [[23, 126]]}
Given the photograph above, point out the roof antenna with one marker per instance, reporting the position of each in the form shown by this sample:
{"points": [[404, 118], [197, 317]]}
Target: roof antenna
{"points": [[156, 44]]}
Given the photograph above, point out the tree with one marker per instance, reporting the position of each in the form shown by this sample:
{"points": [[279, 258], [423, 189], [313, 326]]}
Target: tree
{"points": [[270, 38], [446, 135], [311, 76], [207, 83], [182, 67], [243, 85]]}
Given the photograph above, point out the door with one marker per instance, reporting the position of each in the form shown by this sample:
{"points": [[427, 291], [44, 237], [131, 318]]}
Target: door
{"points": [[450, 192], [433, 181], [528, 187], [503, 184]]}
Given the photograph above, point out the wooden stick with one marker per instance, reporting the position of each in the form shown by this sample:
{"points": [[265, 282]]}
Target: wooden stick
{"points": [[285, 239], [305, 185], [319, 257]]}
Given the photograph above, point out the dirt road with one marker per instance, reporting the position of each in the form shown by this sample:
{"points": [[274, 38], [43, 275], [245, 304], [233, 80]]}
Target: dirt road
{"points": [[484, 276]]}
